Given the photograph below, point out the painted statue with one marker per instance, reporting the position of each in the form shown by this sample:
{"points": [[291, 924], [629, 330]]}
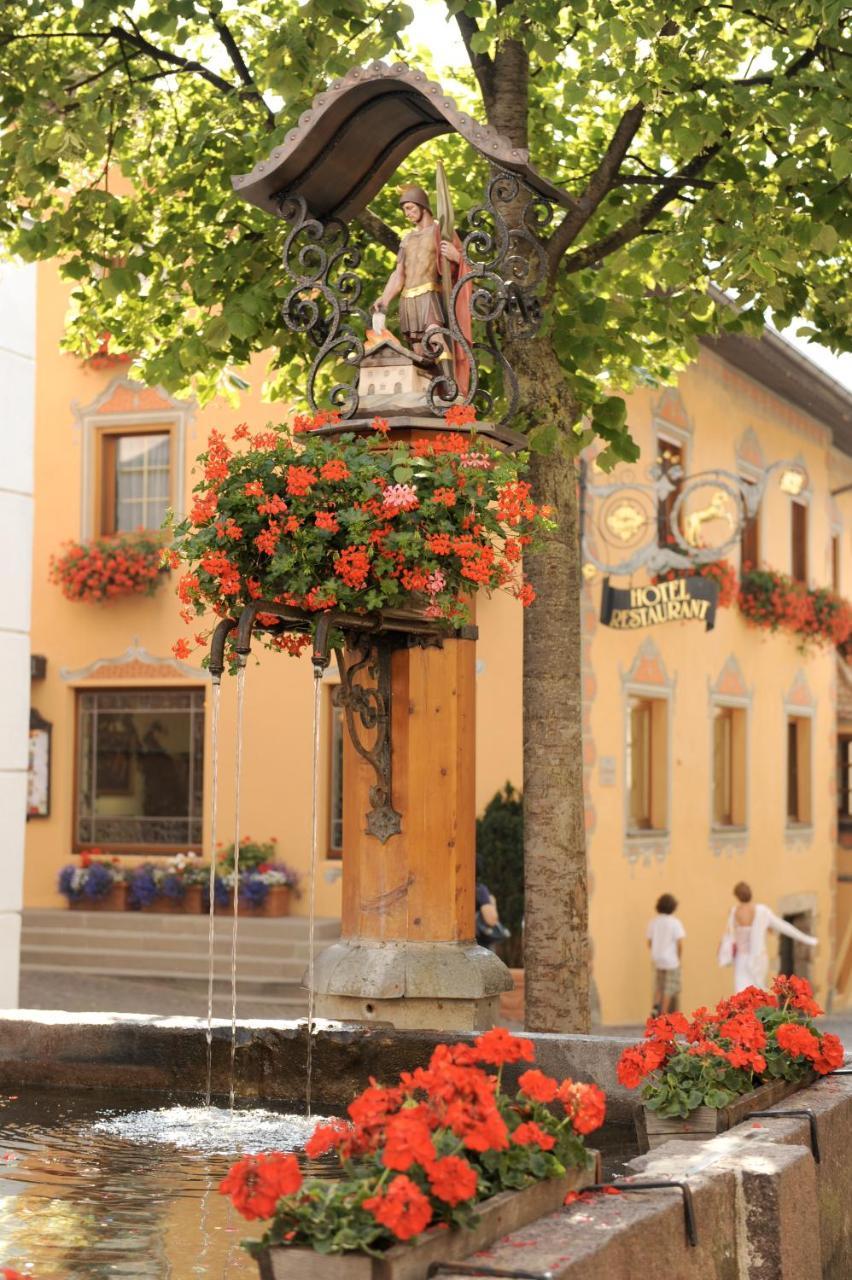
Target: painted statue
{"points": [[428, 266]]}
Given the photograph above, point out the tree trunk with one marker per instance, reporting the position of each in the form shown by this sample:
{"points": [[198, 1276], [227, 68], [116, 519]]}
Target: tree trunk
{"points": [[556, 946], [556, 943]]}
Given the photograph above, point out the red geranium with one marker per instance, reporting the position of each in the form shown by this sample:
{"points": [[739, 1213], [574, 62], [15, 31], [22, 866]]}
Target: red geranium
{"points": [[453, 1180], [256, 1183], [797, 1040], [536, 1085], [403, 1208], [499, 1046], [585, 1104], [408, 1141], [529, 1133]]}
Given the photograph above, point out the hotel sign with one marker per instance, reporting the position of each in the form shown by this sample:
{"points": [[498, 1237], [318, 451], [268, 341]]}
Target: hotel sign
{"points": [[683, 599]]}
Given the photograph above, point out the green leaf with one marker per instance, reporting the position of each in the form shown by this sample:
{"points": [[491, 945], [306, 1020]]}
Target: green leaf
{"points": [[841, 162]]}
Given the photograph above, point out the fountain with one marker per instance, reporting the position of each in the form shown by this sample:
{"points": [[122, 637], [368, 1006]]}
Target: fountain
{"points": [[406, 973]]}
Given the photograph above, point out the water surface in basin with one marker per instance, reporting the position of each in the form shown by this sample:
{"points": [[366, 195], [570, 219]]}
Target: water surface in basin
{"points": [[96, 1186]]}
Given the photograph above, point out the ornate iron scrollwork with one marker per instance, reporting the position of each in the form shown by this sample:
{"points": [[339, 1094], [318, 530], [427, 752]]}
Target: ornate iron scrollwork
{"points": [[505, 266], [324, 300], [367, 706], [506, 262]]}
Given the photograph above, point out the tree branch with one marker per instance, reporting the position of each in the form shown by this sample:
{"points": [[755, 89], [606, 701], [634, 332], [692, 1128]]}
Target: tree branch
{"points": [[378, 230], [597, 187], [138, 41], [241, 67], [636, 225], [644, 181], [798, 64], [483, 66]]}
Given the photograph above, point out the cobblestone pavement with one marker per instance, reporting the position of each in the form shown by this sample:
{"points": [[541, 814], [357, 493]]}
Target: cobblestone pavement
{"points": [[93, 993]]}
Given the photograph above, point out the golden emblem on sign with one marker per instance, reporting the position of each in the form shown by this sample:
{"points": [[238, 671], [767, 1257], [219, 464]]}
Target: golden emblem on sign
{"points": [[625, 521], [589, 571], [716, 509]]}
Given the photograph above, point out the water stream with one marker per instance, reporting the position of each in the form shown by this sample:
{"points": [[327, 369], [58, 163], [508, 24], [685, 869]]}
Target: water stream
{"points": [[238, 765], [211, 933], [312, 889]]}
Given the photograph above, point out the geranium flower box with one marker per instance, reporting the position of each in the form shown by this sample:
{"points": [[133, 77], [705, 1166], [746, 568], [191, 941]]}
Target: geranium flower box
{"points": [[115, 899], [189, 904], [701, 1076], [498, 1216], [706, 1122], [276, 903]]}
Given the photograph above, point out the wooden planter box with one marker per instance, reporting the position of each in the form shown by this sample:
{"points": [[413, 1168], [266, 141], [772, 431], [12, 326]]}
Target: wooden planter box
{"points": [[705, 1122], [115, 900], [189, 904], [276, 903], [497, 1217]]}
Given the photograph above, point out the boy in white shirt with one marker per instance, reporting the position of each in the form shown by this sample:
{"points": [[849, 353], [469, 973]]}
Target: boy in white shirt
{"points": [[665, 935]]}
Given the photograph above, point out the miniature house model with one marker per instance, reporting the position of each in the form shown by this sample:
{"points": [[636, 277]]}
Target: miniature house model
{"points": [[391, 370]]}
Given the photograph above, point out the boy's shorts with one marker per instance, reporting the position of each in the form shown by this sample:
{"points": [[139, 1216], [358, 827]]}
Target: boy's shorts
{"points": [[668, 982]]}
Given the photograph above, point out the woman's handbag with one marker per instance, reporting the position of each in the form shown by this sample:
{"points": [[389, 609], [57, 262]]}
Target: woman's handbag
{"points": [[727, 950], [489, 933]]}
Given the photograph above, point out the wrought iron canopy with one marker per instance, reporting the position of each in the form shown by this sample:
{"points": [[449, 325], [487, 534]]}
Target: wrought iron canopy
{"points": [[359, 130]]}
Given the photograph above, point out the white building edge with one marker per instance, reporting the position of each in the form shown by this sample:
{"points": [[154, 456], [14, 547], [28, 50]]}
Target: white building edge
{"points": [[17, 430]]}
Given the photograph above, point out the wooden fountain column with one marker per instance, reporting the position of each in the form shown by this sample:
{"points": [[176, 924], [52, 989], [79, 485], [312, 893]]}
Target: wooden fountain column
{"points": [[407, 954]]}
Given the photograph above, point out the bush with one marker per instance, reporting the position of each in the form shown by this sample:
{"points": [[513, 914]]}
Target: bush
{"points": [[500, 864]]}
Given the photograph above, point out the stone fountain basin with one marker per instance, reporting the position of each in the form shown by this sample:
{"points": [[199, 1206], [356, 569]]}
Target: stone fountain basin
{"points": [[46, 1048], [765, 1209]]}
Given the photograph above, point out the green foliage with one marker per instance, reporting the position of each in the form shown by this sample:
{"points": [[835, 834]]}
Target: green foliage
{"points": [[120, 136], [253, 853], [500, 864]]}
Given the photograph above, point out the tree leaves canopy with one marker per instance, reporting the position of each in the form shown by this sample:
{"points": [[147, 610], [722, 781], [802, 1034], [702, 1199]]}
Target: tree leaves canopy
{"points": [[709, 145]]}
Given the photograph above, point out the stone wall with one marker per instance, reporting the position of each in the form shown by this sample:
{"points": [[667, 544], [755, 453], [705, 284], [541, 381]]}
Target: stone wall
{"points": [[765, 1207]]}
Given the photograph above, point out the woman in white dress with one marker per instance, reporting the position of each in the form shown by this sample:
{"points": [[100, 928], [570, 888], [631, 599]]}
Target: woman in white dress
{"points": [[744, 940]]}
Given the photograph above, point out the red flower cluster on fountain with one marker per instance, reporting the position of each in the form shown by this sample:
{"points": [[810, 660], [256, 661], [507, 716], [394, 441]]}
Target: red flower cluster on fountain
{"points": [[749, 1039], [342, 522], [424, 1151]]}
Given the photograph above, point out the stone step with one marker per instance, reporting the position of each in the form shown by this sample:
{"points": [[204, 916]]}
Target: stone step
{"points": [[138, 963], [289, 927], [193, 943]]}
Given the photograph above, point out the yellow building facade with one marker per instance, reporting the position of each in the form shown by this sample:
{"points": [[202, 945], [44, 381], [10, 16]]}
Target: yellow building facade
{"points": [[668, 709]]}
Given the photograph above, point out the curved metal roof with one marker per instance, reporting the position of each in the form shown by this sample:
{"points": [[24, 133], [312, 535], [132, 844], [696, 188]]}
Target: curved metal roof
{"points": [[359, 130]]}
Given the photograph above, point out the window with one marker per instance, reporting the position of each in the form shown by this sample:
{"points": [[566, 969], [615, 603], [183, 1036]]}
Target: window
{"points": [[335, 787], [750, 539], [729, 771], [669, 456], [798, 770], [844, 780], [647, 764], [835, 562], [140, 769], [799, 534], [135, 479]]}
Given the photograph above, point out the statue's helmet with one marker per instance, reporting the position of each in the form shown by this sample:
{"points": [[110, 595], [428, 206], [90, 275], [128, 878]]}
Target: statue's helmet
{"points": [[414, 195]]}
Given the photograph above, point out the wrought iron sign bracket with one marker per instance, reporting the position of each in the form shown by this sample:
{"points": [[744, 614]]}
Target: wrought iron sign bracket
{"points": [[367, 707], [630, 524]]}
